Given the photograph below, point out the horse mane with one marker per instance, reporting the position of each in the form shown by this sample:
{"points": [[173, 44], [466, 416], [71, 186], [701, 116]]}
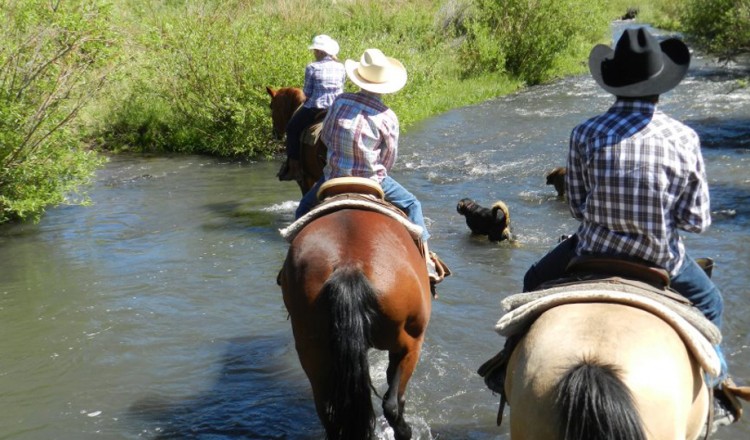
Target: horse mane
{"points": [[294, 97], [595, 404]]}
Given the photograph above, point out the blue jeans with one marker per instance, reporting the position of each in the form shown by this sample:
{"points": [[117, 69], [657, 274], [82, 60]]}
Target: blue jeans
{"points": [[301, 119], [693, 283], [394, 193], [690, 281], [552, 266]]}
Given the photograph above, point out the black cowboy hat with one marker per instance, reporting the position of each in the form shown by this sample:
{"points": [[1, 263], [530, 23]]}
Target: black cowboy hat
{"points": [[639, 65]]}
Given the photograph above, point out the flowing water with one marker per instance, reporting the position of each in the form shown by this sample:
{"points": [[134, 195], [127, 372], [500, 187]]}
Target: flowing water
{"points": [[154, 313]]}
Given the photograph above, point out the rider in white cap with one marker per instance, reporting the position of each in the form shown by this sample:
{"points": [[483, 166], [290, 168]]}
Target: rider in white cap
{"points": [[324, 80]]}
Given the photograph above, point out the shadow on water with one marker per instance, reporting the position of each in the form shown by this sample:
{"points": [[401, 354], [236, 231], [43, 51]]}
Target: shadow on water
{"points": [[259, 393], [722, 133], [247, 217]]}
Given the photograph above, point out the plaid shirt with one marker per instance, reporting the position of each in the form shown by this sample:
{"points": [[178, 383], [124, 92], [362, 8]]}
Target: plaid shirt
{"points": [[361, 134], [324, 81], [635, 176]]}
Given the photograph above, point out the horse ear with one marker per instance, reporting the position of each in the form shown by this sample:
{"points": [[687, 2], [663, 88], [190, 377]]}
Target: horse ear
{"points": [[271, 91]]}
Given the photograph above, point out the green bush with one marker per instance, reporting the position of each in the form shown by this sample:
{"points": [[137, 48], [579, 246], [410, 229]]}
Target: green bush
{"points": [[527, 38], [53, 60], [721, 26]]}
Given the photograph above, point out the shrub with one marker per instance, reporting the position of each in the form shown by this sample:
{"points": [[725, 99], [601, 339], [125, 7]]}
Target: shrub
{"points": [[53, 60], [525, 38], [721, 26]]}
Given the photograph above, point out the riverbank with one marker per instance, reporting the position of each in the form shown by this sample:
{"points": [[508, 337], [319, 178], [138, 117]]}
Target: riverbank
{"points": [[190, 77]]}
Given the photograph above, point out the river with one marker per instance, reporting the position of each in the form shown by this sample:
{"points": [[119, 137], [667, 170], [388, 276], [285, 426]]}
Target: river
{"points": [[154, 312]]}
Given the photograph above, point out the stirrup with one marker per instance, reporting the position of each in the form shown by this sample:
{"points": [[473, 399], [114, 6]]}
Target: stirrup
{"points": [[441, 269], [725, 408], [731, 393], [437, 270]]}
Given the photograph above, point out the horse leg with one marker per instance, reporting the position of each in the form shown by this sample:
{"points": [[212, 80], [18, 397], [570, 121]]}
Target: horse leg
{"points": [[316, 362], [400, 368]]}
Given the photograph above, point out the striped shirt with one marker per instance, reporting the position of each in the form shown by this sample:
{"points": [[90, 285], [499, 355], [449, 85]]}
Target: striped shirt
{"points": [[361, 134], [636, 176], [324, 81]]}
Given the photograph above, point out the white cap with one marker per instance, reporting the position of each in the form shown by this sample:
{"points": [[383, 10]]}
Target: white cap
{"points": [[325, 44]]}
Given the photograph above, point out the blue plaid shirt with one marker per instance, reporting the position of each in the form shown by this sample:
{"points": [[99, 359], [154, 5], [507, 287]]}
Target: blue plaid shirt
{"points": [[324, 81], [635, 176], [361, 134]]}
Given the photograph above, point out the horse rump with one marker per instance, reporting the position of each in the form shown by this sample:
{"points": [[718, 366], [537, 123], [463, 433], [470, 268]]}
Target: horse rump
{"points": [[595, 404], [353, 305]]}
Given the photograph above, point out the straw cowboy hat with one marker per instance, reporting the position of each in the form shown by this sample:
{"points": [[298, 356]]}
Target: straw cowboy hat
{"points": [[639, 65], [376, 72], [326, 44]]}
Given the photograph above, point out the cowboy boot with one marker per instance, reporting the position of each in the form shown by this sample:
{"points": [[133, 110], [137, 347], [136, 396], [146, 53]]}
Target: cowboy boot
{"points": [[437, 270]]}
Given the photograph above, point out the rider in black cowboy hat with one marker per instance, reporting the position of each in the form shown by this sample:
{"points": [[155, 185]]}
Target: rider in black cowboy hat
{"points": [[635, 177]]}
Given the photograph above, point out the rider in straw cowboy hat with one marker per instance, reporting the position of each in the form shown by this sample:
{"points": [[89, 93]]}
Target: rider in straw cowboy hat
{"points": [[636, 176], [324, 81], [361, 134]]}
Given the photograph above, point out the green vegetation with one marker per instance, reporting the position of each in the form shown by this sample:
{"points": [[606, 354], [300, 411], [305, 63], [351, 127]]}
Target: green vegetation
{"points": [[721, 26], [52, 62], [189, 76], [196, 79]]}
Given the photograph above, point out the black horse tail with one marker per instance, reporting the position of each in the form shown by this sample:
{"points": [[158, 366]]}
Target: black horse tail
{"points": [[597, 405], [353, 305]]}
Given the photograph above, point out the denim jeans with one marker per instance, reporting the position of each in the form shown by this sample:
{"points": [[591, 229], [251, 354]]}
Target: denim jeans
{"points": [[552, 266], [690, 281], [301, 119], [394, 193], [693, 283]]}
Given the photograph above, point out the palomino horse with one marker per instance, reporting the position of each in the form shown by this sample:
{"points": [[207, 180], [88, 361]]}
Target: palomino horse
{"points": [[284, 102], [604, 371], [354, 280], [604, 359]]}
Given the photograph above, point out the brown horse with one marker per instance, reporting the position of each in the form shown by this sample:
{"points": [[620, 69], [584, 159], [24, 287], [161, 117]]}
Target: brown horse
{"points": [[284, 102], [354, 280]]}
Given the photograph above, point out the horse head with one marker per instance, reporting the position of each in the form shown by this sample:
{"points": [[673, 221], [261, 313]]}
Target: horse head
{"points": [[284, 102]]}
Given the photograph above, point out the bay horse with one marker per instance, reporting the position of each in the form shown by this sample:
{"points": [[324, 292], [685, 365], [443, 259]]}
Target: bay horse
{"points": [[284, 102], [354, 280]]}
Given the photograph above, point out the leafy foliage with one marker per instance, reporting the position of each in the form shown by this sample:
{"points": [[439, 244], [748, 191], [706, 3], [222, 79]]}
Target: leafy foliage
{"points": [[525, 38], [721, 26], [191, 74], [52, 61]]}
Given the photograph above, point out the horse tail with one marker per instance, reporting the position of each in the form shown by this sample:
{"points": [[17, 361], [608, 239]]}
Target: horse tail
{"points": [[353, 305], [597, 405]]}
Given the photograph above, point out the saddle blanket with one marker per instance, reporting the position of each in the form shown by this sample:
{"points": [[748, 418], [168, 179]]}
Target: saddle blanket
{"points": [[699, 334], [359, 202]]}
